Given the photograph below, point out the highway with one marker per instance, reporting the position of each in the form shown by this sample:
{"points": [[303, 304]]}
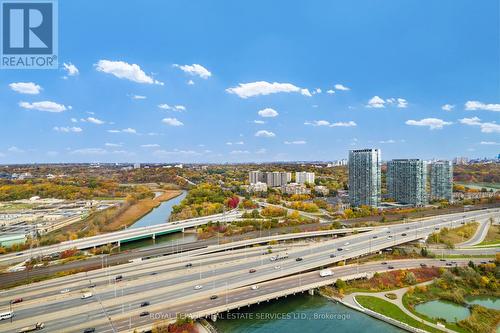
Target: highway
{"points": [[117, 237], [176, 283]]}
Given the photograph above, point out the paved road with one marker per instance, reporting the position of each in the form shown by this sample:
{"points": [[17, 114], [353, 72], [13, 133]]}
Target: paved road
{"points": [[175, 287], [479, 236]]}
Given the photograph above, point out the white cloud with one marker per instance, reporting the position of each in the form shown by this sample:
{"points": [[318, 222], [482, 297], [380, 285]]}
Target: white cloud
{"points": [[123, 70], [150, 145], [432, 123], [317, 123], [260, 122], [376, 102], [387, 141], [74, 120], [268, 113], [344, 124], [129, 130], [172, 122], [296, 142], [470, 121], [71, 69], [488, 127], [245, 90], [447, 107], [125, 130], [476, 105], [493, 143], [47, 106], [235, 143], [95, 121], [67, 129], [261, 151], [89, 151], [239, 152], [190, 83], [107, 144], [138, 97], [173, 108], [14, 149], [339, 86], [195, 69], [29, 88], [330, 91], [180, 152], [265, 134], [402, 103]]}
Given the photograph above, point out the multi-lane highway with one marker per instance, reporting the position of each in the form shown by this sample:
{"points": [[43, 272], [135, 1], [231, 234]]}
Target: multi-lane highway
{"points": [[164, 282], [118, 236]]}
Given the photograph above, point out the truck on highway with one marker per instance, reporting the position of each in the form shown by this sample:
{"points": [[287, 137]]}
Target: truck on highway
{"points": [[6, 315], [35, 327], [325, 272], [279, 256]]}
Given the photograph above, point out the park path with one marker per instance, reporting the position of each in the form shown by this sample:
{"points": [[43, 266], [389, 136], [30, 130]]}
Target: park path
{"points": [[350, 299]]}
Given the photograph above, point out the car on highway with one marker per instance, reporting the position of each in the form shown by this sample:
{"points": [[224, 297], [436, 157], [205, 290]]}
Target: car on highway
{"points": [[252, 270], [214, 297], [346, 243], [277, 267], [325, 272], [16, 300], [299, 259], [65, 291], [389, 237], [390, 267], [86, 295], [143, 304], [423, 265], [189, 265], [332, 255], [403, 234], [118, 278], [407, 228], [436, 228], [89, 330], [442, 259], [144, 314], [36, 327], [254, 287], [93, 285], [198, 287], [153, 273], [384, 263], [448, 264], [339, 249]]}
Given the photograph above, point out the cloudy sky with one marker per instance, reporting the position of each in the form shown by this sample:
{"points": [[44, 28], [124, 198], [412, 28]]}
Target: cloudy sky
{"points": [[226, 81]]}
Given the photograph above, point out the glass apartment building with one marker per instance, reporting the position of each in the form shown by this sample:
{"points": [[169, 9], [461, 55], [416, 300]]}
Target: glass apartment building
{"points": [[364, 177], [441, 175], [407, 181]]}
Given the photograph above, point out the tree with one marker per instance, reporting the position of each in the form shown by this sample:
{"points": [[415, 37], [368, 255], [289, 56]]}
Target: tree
{"points": [[410, 278]]}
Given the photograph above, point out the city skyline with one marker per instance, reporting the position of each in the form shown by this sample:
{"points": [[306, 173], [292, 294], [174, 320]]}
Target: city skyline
{"points": [[308, 85]]}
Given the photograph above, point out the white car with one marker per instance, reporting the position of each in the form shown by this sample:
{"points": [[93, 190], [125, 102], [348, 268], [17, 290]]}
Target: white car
{"points": [[64, 291], [277, 267], [346, 243], [254, 287], [198, 287]]}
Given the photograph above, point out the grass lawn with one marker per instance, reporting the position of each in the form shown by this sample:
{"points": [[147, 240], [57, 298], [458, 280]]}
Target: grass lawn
{"points": [[493, 236], [454, 235], [393, 311]]}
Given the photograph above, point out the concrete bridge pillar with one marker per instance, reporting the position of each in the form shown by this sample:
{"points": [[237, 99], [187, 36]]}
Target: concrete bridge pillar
{"points": [[119, 243], [213, 317], [311, 292]]}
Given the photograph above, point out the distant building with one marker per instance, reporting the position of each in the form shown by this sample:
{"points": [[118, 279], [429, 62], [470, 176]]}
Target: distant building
{"points": [[304, 177], [337, 163], [277, 179], [322, 190], [256, 177], [364, 177], [137, 165], [441, 179], [294, 188], [407, 180], [257, 187], [460, 160]]}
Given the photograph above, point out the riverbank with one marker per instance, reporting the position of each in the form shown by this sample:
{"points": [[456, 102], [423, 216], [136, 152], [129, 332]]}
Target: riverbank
{"points": [[138, 210]]}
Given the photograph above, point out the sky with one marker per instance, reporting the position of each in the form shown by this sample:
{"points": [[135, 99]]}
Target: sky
{"points": [[241, 81]]}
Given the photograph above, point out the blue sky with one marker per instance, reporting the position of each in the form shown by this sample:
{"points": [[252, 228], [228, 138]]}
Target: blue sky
{"points": [[167, 81]]}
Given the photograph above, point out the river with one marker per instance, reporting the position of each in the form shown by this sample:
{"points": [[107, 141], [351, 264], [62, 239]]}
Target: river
{"points": [[300, 313]]}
